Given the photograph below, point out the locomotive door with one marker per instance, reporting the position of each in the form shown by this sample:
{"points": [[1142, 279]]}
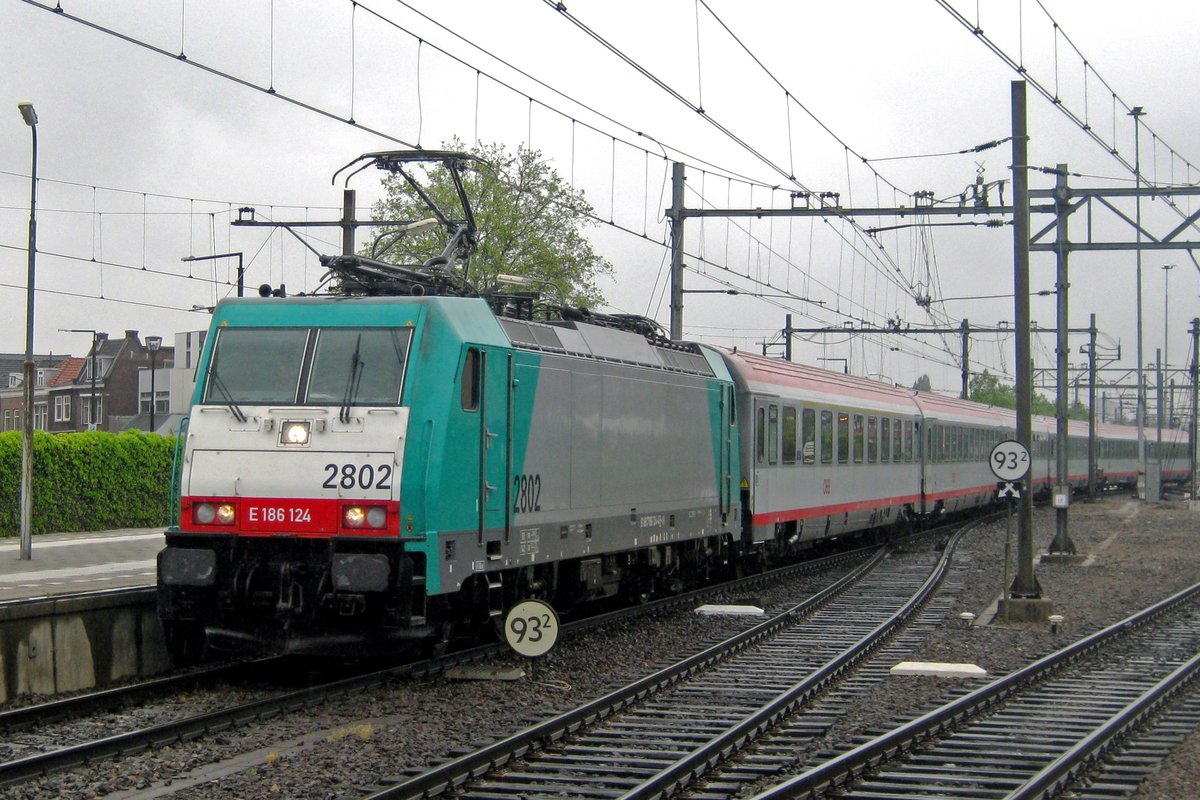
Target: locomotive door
{"points": [[725, 431], [495, 443]]}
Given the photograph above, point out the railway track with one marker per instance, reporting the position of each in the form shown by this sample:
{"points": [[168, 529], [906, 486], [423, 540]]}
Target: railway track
{"points": [[1066, 719], [666, 731], [34, 754]]}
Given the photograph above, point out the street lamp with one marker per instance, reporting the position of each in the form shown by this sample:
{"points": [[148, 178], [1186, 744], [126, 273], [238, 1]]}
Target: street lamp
{"points": [[152, 344], [97, 337], [241, 272], [1166, 308], [26, 529], [1136, 112]]}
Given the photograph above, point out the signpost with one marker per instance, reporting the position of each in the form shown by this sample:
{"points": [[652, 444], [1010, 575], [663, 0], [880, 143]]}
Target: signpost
{"points": [[531, 629], [1009, 461]]}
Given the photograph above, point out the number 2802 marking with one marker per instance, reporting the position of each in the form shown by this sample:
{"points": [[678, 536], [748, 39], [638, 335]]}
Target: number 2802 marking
{"points": [[527, 493], [354, 476]]}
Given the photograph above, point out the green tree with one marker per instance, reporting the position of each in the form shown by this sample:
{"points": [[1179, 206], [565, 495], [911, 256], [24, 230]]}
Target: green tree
{"points": [[923, 384], [987, 388], [529, 223]]}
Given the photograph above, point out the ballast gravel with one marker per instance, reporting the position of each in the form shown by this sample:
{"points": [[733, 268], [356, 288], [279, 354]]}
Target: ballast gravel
{"points": [[1137, 553]]}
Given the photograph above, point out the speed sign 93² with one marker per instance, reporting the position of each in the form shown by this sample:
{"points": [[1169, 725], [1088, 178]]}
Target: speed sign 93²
{"points": [[1009, 460]]}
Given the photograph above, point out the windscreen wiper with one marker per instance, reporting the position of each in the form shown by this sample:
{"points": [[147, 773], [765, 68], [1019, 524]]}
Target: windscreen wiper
{"points": [[352, 381], [230, 403]]}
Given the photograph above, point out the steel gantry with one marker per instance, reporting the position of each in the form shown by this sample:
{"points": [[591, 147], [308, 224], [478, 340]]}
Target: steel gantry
{"points": [[1064, 201]]}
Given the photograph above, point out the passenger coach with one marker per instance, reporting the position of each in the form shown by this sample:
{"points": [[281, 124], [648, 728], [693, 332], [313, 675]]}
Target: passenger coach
{"points": [[824, 454]]}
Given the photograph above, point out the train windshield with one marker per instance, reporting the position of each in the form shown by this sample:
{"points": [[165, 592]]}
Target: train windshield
{"points": [[308, 366], [358, 366]]}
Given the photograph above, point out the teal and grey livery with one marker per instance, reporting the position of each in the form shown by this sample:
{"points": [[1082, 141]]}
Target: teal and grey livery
{"points": [[375, 471]]}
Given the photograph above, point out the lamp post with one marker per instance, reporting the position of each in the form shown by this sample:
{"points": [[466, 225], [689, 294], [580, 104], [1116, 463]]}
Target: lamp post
{"points": [[1136, 112], [26, 526], [241, 272], [152, 344], [1166, 309], [97, 337]]}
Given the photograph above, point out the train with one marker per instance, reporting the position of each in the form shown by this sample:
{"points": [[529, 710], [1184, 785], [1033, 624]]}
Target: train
{"points": [[375, 471]]}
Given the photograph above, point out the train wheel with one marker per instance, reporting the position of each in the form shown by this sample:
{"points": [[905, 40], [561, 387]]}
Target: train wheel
{"points": [[186, 642], [438, 644]]}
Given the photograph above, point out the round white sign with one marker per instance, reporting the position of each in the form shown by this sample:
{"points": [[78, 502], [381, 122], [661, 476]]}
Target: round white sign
{"points": [[531, 628], [1009, 460]]}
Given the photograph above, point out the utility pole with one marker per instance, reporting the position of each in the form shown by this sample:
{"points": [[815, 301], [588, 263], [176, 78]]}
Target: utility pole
{"points": [[348, 196], [1025, 584], [677, 217], [1091, 485], [1062, 482], [966, 355], [1195, 408]]}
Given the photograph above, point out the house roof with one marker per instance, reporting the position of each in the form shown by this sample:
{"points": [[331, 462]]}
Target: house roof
{"points": [[14, 362], [70, 369]]}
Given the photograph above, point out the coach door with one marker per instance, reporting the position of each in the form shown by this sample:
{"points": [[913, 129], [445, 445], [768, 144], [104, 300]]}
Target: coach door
{"points": [[495, 443]]}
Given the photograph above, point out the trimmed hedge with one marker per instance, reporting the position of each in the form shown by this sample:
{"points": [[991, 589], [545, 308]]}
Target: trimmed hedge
{"points": [[88, 481]]}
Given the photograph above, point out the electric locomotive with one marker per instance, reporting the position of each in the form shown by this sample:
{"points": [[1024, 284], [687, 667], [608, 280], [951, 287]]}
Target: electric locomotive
{"points": [[396, 462]]}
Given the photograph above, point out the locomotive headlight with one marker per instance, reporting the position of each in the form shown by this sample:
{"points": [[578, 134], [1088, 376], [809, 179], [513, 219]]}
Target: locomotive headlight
{"points": [[364, 517], [225, 514], [205, 513], [376, 517], [295, 432], [209, 514]]}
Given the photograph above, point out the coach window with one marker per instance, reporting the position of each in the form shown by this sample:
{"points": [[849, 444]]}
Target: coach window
{"points": [[908, 436], [773, 434], [827, 437], [470, 381], [789, 435], [843, 437], [897, 440], [760, 436], [885, 440], [872, 439], [808, 435], [858, 438]]}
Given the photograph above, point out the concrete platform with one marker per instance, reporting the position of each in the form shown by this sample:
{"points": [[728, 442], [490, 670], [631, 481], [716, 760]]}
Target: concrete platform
{"points": [[69, 563], [81, 613]]}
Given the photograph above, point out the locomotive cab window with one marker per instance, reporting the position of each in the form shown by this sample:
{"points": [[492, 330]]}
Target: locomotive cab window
{"points": [[470, 380], [307, 366], [256, 365], [358, 366]]}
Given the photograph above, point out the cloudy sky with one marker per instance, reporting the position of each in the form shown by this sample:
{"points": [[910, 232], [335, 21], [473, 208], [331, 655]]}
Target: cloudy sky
{"points": [[145, 156]]}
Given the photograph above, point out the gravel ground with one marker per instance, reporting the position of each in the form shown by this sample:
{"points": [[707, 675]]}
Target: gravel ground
{"points": [[1138, 553]]}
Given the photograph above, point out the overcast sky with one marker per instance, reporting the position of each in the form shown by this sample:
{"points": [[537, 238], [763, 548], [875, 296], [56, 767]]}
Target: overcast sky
{"points": [[144, 156]]}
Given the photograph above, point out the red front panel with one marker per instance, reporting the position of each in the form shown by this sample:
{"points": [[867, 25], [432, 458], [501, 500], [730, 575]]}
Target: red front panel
{"points": [[300, 516]]}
